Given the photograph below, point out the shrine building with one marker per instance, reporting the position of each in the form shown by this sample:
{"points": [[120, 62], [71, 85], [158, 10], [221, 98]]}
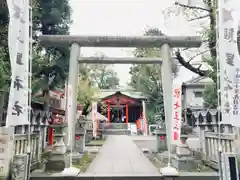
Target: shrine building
{"points": [[123, 106]]}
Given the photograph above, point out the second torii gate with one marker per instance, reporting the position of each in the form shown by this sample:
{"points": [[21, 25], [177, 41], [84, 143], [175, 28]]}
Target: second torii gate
{"points": [[117, 60], [164, 42]]}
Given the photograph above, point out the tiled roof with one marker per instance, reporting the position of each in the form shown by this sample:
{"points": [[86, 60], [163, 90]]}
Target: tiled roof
{"points": [[105, 93]]}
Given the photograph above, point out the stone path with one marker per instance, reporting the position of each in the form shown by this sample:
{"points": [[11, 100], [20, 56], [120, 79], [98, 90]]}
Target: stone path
{"points": [[120, 155]]}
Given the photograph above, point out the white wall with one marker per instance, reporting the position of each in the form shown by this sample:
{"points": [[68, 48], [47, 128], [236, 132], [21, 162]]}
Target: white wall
{"points": [[189, 98]]}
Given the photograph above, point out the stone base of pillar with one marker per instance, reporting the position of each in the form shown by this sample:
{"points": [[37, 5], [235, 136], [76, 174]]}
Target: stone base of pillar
{"points": [[183, 159], [76, 157], [56, 163], [173, 149], [169, 173], [184, 163]]}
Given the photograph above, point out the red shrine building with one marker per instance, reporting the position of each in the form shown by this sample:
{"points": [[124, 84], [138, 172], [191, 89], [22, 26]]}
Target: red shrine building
{"points": [[123, 106]]}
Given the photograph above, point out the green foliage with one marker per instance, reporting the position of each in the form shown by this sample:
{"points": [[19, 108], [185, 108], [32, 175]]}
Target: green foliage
{"points": [[93, 78], [210, 96], [147, 78], [51, 17], [210, 91], [103, 76], [49, 66], [4, 63], [4, 72], [86, 92]]}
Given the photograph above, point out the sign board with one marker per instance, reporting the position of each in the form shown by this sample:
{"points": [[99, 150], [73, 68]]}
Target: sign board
{"points": [[88, 125], [6, 145]]}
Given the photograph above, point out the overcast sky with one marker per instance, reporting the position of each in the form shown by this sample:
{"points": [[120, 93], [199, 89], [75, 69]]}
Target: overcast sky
{"points": [[122, 17]]}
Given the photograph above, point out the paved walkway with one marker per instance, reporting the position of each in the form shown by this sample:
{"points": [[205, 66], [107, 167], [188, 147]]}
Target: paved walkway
{"points": [[120, 155]]}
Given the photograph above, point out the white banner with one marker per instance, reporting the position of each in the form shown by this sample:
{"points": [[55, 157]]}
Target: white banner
{"points": [[94, 114], [229, 59], [176, 113], [18, 42]]}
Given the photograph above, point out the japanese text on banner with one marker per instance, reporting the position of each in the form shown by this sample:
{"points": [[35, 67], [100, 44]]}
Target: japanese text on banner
{"points": [[229, 61], [18, 41], [176, 113]]}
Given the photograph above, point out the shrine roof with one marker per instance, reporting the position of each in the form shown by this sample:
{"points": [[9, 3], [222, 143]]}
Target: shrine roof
{"points": [[199, 80], [110, 92]]}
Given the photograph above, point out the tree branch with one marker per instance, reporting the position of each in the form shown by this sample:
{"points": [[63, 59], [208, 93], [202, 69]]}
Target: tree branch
{"points": [[187, 65], [198, 54], [198, 18], [191, 7]]}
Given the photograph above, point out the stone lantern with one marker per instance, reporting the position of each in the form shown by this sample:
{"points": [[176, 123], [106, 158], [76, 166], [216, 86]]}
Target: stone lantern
{"points": [[57, 160]]}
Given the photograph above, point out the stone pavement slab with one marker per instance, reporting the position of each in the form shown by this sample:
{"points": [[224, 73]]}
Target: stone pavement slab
{"points": [[149, 142], [120, 155]]}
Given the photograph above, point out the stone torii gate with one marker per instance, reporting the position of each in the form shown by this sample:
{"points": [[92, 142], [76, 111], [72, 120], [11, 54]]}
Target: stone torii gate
{"points": [[164, 42]]}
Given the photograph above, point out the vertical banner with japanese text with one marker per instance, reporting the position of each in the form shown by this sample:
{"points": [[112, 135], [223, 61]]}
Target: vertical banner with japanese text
{"points": [[176, 112], [94, 120], [229, 60], [18, 42]]}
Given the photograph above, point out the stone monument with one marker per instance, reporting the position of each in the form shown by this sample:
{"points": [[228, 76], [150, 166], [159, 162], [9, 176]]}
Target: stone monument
{"points": [[20, 166]]}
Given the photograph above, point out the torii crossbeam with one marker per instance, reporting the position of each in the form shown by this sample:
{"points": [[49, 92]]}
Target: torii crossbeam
{"points": [[117, 60]]}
